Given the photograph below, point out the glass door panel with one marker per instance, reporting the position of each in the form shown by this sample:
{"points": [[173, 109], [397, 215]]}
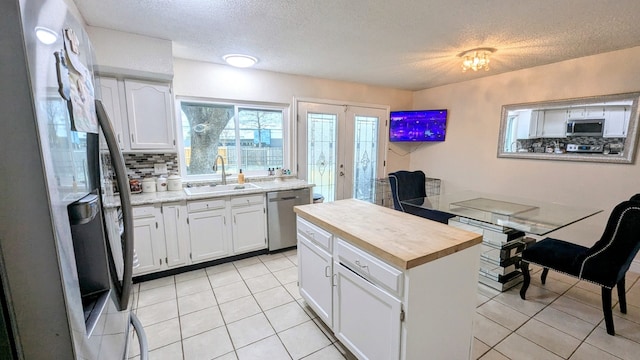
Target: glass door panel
{"points": [[321, 153], [365, 157]]}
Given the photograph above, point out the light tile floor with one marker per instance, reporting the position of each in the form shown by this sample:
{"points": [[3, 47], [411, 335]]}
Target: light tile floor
{"points": [[251, 309]]}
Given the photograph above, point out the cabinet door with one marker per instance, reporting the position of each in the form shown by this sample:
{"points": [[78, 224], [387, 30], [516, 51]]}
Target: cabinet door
{"points": [[555, 124], [529, 124], [208, 235], [314, 278], [176, 234], [147, 242], [248, 228], [111, 102], [366, 318], [616, 122], [150, 116]]}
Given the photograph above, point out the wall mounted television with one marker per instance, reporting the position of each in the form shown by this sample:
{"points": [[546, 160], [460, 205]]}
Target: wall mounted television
{"points": [[417, 125]]}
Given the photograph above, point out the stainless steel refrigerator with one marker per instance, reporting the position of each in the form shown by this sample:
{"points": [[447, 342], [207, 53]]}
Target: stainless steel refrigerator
{"points": [[65, 287]]}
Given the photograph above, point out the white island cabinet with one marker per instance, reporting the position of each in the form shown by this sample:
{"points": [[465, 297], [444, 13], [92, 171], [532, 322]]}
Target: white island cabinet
{"points": [[390, 285]]}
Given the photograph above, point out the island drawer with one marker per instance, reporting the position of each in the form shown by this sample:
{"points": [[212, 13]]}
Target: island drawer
{"points": [[314, 233], [194, 206], [247, 200], [369, 267]]}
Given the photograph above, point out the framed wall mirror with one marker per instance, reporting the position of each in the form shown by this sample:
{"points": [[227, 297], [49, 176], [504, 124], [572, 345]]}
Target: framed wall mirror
{"points": [[599, 129]]}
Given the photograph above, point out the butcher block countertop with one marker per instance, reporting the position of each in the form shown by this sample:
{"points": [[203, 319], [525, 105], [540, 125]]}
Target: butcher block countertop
{"points": [[403, 240]]}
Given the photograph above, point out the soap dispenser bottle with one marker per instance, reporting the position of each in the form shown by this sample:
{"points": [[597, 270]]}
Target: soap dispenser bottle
{"points": [[240, 177]]}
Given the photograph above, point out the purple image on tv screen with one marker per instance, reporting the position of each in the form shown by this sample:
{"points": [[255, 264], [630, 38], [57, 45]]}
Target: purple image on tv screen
{"points": [[417, 125]]}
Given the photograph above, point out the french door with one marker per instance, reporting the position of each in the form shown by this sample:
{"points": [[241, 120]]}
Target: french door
{"points": [[341, 149]]}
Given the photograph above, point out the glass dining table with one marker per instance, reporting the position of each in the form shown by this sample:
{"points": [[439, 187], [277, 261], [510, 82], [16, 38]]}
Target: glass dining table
{"points": [[501, 211], [504, 222]]}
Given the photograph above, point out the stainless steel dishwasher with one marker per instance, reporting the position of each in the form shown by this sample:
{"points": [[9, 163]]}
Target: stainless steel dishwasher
{"points": [[282, 219]]}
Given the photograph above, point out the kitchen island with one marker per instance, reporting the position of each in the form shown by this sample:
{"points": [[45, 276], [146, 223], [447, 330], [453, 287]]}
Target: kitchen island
{"points": [[390, 285]]}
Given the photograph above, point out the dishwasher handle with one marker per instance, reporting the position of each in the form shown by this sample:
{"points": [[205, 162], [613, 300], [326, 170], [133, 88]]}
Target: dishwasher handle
{"points": [[284, 198]]}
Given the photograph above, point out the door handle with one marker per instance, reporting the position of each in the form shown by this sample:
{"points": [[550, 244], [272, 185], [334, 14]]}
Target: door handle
{"points": [[341, 173]]}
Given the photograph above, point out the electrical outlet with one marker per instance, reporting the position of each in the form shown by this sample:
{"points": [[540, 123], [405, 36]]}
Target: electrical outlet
{"points": [[159, 168]]}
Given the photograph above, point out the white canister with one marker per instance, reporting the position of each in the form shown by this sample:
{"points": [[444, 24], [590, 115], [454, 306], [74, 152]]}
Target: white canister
{"points": [[174, 183], [161, 184], [149, 185]]}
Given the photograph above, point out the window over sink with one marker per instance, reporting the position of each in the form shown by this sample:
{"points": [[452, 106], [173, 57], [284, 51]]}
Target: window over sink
{"points": [[248, 136], [599, 129]]}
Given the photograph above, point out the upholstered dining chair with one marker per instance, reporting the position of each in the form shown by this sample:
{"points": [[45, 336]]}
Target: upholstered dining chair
{"points": [[604, 264], [407, 185]]}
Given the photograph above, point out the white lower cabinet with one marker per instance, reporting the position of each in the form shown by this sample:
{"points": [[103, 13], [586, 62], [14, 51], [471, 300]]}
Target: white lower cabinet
{"points": [[249, 223], [176, 233], [315, 278], [209, 235], [148, 239], [366, 318], [226, 226], [160, 237]]}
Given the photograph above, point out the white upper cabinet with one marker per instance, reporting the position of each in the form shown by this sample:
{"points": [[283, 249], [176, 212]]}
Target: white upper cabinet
{"points": [[111, 103], [150, 116], [529, 124], [555, 123], [616, 121], [588, 112]]}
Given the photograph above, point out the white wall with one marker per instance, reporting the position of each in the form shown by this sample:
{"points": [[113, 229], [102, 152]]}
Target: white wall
{"points": [[208, 80], [467, 159]]}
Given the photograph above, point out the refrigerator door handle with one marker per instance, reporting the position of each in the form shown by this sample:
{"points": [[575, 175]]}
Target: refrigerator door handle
{"points": [[117, 161]]}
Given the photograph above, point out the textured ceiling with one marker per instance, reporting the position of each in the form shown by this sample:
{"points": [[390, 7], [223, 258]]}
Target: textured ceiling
{"points": [[410, 44]]}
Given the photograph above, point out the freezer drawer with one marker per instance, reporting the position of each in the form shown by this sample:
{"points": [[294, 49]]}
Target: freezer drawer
{"points": [[282, 219]]}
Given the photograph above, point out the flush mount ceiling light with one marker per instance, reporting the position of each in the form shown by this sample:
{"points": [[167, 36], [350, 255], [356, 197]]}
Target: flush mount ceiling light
{"points": [[239, 60], [476, 59], [46, 36]]}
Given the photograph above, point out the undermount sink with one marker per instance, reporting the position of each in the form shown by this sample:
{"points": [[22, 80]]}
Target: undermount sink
{"points": [[213, 189]]}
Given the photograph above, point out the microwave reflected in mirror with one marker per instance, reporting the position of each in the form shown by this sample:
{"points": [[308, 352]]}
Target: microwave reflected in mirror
{"points": [[601, 129]]}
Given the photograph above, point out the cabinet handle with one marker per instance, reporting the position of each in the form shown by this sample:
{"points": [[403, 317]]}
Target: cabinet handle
{"points": [[166, 260], [160, 261], [234, 219], [310, 234], [178, 213], [132, 139], [119, 141], [334, 281], [327, 271], [360, 265]]}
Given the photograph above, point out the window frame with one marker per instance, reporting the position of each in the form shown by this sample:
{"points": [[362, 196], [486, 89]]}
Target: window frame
{"points": [[288, 151]]}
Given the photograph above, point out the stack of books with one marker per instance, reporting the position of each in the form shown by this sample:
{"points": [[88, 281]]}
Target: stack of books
{"points": [[500, 252]]}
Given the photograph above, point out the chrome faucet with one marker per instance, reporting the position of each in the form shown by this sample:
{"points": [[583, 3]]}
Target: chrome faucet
{"points": [[215, 168]]}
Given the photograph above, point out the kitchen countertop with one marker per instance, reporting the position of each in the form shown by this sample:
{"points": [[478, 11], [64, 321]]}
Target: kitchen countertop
{"points": [[401, 239], [171, 196]]}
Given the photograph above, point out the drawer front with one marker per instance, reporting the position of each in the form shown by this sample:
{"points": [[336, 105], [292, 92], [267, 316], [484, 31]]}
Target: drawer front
{"points": [[247, 200], [369, 267], [143, 211], [314, 233], [194, 206]]}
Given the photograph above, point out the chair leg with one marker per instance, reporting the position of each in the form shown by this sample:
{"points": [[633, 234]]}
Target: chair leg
{"points": [[606, 308], [524, 266], [543, 278], [622, 298]]}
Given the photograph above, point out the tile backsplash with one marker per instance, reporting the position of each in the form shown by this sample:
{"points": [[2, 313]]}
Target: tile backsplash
{"points": [[562, 142], [140, 165]]}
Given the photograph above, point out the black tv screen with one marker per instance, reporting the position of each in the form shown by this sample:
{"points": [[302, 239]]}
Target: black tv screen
{"points": [[417, 125]]}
